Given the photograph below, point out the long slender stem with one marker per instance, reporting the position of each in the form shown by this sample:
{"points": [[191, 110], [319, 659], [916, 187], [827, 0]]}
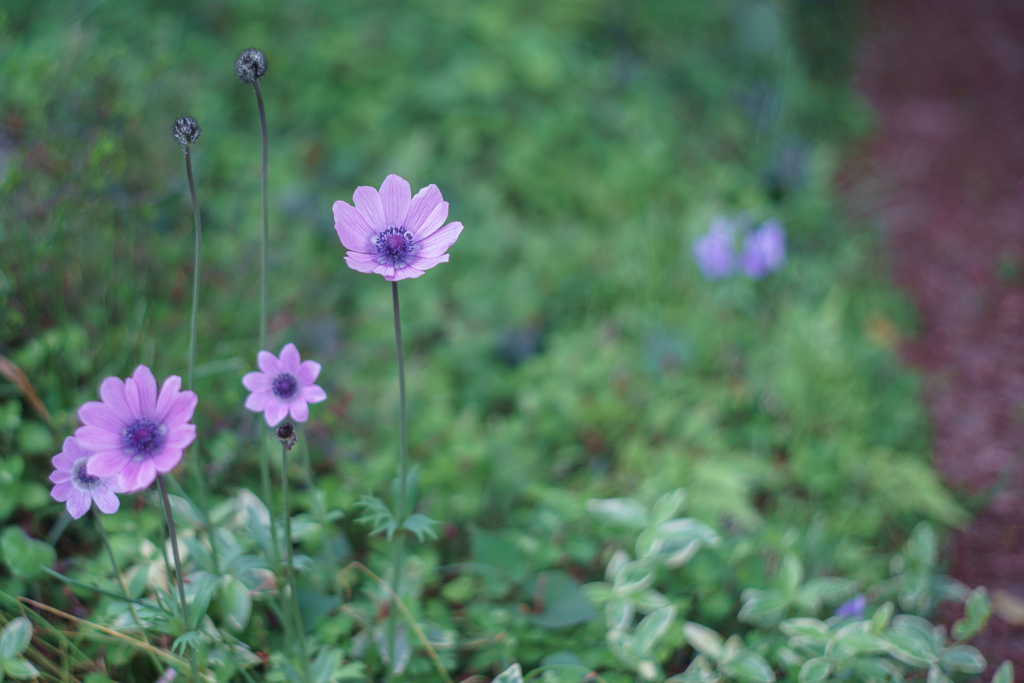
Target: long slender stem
{"points": [[398, 551], [291, 563], [204, 506], [178, 575], [266, 223]]}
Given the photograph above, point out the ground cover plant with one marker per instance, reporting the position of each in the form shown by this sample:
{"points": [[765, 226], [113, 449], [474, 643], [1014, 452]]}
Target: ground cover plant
{"points": [[644, 420]]}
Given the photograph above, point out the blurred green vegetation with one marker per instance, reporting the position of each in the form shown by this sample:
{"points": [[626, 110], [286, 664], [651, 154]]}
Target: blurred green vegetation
{"points": [[570, 349]]}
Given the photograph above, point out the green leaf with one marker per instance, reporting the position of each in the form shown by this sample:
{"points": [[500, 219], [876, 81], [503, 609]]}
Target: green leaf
{"points": [[185, 641], [652, 628], [1004, 674], [15, 637], [703, 640], [935, 675], [81, 584], [564, 602], [185, 513], [764, 607], [962, 658], [791, 574], [633, 577], [324, 664], [910, 646], [814, 629], [749, 667], [421, 526], [20, 669], [618, 613], [378, 516], [814, 670], [513, 674], [236, 603], [25, 556], [202, 588], [881, 618], [621, 512], [667, 506], [977, 611]]}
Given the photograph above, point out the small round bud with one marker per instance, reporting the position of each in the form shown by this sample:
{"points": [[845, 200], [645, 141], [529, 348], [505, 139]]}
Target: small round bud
{"points": [[250, 65], [286, 435], [186, 130]]}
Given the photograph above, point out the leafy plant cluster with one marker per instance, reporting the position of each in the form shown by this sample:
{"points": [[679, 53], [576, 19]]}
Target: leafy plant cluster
{"points": [[570, 370]]}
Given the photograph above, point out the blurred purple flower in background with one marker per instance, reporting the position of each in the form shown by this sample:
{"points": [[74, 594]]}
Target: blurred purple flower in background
{"points": [[79, 488], [714, 251], [764, 250], [283, 385], [854, 608]]}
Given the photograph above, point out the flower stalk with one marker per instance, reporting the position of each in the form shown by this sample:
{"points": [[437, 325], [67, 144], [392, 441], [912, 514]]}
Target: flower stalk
{"points": [[398, 551], [179, 576], [286, 434]]}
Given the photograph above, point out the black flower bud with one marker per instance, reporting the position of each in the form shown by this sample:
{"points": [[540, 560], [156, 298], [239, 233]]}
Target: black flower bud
{"points": [[186, 130], [286, 435], [250, 65]]}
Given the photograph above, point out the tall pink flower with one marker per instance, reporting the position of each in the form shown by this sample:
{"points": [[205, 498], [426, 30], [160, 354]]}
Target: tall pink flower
{"points": [[283, 386], [77, 487], [392, 235], [136, 431]]}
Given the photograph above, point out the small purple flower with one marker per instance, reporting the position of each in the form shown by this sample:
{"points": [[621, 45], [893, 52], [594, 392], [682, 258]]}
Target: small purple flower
{"points": [[283, 386], [854, 608], [77, 487], [135, 431], [392, 235], [764, 250], [715, 250]]}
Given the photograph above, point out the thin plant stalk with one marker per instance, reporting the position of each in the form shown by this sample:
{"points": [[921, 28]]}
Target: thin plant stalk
{"points": [[178, 575], [301, 632], [320, 512], [204, 507], [398, 550]]}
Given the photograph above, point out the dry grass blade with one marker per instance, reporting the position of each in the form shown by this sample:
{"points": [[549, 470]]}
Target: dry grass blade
{"points": [[16, 376]]}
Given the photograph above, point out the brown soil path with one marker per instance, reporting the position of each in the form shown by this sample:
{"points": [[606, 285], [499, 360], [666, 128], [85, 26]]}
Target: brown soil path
{"points": [[946, 78]]}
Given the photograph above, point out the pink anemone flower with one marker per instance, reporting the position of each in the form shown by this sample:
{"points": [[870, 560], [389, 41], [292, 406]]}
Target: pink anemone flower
{"points": [[136, 431], [74, 484], [283, 385], [391, 234]]}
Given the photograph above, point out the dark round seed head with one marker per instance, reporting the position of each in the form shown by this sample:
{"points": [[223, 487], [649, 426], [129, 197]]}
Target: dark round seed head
{"points": [[186, 130], [250, 65], [286, 435]]}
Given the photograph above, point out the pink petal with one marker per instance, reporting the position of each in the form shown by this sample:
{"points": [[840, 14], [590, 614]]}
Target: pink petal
{"points": [[275, 412], [255, 381], [406, 272], [313, 394], [428, 263], [137, 475], [432, 221], [100, 415], [369, 205], [74, 449], [79, 503], [395, 194], [97, 439], [180, 437], [308, 372], [105, 499], [168, 394], [425, 201], [438, 242], [145, 382], [299, 410], [107, 463], [112, 393], [64, 461], [268, 363], [353, 230], [167, 459], [258, 401], [364, 263], [131, 394], [61, 492], [60, 476], [181, 410], [290, 359]]}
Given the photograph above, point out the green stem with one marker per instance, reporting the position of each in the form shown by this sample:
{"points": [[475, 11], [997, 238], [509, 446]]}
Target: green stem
{"points": [[398, 551], [204, 507], [266, 224], [179, 577], [291, 563]]}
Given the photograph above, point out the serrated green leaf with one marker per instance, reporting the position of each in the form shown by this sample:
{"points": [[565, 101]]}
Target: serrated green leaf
{"points": [[15, 637], [378, 516], [185, 641], [421, 526], [703, 640]]}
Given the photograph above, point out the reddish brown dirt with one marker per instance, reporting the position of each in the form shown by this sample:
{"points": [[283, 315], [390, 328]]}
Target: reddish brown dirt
{"points": [[946, 78]]}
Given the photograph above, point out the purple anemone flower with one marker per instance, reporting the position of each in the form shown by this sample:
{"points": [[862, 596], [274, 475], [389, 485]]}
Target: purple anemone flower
{"points": [[283, 386], [77, 487], [764, 250], [854, 608], [135, 431], [392, 235], [714, 251]]}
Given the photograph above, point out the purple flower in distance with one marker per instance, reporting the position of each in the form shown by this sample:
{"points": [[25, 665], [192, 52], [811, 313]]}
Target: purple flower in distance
{"points": [[135, 431], [391, 234], [854, 608], [764, 250], [715, 251], [283, 385], [77, 487]]}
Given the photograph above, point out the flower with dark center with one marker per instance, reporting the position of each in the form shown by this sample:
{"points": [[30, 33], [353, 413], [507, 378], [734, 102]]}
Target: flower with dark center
{"points": [[186, 131], [283, 386], [137, 431], [77, 487], [286, 435], [392, 233], [250, 65]]}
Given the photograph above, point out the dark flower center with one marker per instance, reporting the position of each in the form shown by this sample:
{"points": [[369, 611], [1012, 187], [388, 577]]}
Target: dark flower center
{"points": [[394, 244], [83, 477], [285, 385], [143, 437]]}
